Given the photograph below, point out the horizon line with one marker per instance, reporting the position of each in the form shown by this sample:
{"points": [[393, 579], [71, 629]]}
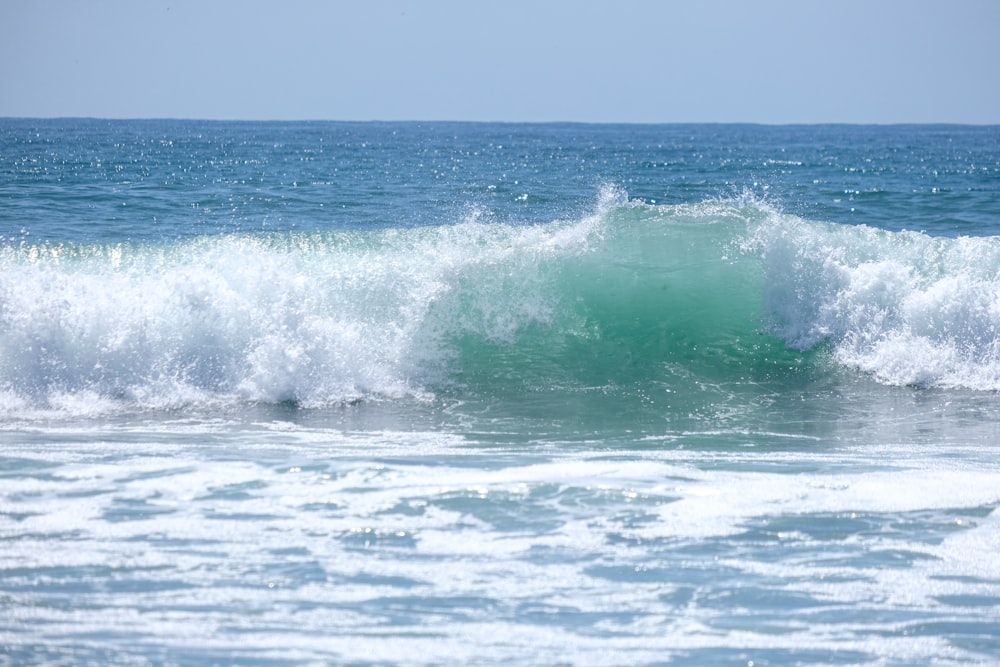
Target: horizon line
{"points": [[500, 122]]}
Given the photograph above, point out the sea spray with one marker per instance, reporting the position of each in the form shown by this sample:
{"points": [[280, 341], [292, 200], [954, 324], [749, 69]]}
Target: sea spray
{"points": [[310, 318], [906, 307]]}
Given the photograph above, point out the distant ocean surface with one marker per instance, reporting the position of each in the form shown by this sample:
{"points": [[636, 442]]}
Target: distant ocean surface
{"points": [[336, 393]]}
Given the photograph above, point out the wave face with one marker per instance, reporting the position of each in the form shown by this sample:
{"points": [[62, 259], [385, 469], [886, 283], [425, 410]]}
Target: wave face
{"points": [[663, 298]]}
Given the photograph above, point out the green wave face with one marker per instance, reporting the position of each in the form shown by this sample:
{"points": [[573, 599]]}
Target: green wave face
{"points": [[656, 314]]}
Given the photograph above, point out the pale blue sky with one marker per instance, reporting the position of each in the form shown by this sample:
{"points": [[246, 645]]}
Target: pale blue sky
{"points": [[770, 61]]}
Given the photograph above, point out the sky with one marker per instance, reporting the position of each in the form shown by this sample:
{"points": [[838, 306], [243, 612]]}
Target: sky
{"points": [[635, 61]]}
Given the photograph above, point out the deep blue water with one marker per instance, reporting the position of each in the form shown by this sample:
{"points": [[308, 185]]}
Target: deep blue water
{"points": [[439, 393], [75, 179]]}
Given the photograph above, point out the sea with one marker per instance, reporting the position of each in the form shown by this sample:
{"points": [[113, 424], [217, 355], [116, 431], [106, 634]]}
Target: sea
{"points": [[429, 393]]}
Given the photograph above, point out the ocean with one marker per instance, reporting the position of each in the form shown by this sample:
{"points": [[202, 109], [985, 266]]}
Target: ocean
{"points": [[331, 393]]}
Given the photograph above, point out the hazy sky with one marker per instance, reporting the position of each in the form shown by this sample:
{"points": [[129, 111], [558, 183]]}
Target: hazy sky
{"points": [[769, 61]]}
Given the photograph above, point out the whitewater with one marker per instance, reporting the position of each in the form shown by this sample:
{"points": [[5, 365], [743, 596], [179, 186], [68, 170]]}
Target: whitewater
{"points": [[399, 393]]}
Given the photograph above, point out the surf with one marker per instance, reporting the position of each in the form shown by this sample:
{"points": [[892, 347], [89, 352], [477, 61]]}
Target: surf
{"points": [[643, 299], [905, 307]]}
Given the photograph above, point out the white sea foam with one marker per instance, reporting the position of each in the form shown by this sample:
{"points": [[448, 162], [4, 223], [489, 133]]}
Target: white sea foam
{"points": [[906, 307], [662, 550], [313, 319]]}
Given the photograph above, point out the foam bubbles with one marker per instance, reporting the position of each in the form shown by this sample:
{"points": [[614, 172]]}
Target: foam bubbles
{"points": [[908, 308], [311, 319]]}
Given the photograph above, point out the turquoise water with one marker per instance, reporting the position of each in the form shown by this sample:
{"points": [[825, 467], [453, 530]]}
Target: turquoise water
{"points": [[399, 393]]}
